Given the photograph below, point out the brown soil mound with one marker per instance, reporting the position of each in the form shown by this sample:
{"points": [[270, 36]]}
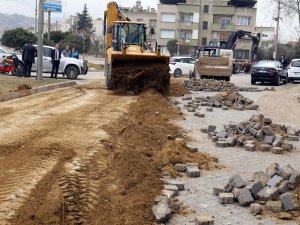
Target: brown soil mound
{"points": [[144, 144], [138, 77], [177, 90]]}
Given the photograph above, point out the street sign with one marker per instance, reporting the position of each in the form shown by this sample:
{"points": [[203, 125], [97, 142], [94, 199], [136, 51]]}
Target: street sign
{"points": [[53, 6]]}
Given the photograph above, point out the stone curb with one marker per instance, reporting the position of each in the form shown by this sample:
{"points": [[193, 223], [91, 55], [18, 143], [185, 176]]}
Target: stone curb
{"points": [[37, 90]]}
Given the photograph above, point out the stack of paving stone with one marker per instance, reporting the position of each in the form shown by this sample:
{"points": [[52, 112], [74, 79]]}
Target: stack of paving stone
{"points": [[191, 169], [256, 134], [164, 207], [218, 86], [227, 100], [273, 190]]}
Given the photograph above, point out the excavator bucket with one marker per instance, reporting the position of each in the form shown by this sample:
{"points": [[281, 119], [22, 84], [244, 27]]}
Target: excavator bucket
{"points": [[138, 72]]}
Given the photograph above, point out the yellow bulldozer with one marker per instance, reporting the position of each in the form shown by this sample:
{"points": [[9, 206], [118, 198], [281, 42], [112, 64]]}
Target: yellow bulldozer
{"points": [[130, 65]]}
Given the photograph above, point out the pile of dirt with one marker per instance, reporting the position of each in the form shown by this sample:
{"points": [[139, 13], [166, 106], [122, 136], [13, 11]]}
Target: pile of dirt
{"points": [[144, 144], [218, 86], [138, 77], [177, 90]]}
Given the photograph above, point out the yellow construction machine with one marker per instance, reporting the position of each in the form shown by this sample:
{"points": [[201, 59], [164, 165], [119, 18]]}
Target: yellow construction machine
{"points": [[130, 65]]}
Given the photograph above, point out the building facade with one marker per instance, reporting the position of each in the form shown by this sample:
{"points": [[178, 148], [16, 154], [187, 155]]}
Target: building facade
{"points": [[207, 20], [267, 37], [148, 16]]}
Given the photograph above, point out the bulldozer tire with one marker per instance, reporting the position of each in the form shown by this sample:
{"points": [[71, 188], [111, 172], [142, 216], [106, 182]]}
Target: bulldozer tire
{"points": [[109, 85]]}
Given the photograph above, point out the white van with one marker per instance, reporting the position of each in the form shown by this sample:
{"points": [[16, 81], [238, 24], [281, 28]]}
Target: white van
{"points": [[294, 70]]}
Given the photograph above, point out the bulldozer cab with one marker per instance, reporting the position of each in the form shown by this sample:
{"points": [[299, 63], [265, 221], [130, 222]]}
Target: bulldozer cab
{"points": [[128, 33]]}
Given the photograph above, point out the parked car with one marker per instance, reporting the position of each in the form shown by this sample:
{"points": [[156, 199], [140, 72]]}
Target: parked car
{"points": [[4, 52], [181, 66], [294, 70], [269, 71], [70, 67]]}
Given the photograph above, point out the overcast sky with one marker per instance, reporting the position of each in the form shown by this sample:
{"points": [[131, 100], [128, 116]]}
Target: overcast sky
{"points": [[265, 12]]}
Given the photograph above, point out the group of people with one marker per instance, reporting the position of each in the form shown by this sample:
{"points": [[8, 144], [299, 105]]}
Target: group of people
{"points": [[68, 53], [30, 52]]}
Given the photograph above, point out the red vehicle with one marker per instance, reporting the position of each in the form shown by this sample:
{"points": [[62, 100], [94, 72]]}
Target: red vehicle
{"points": [[11, 64]]}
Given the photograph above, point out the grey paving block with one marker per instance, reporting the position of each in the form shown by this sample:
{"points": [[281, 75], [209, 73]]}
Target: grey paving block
{"points": [[226, 198], [193, 171], [289, 201], [245, 198], [162, 212]]}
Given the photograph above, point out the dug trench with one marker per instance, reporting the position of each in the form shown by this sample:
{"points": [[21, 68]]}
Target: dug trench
{"points": [[113, 176]]}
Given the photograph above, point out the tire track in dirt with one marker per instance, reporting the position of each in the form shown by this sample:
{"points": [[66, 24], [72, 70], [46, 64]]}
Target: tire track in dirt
{"points": [[63, 160]]}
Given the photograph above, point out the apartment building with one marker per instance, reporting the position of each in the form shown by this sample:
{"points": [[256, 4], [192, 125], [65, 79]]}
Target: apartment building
{"points": [[221, 17], [208, 20], [178, 21], [267, 37], [148, 16]]}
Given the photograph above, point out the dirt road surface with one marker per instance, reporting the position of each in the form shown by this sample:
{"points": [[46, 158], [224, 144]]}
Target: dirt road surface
{"points": [[47, 141]]}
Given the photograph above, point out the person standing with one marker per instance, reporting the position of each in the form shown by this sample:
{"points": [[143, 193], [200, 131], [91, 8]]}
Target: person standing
{"points": [[28, 56], [75, 53], [67, 52], [283, 62], [55, 58]]}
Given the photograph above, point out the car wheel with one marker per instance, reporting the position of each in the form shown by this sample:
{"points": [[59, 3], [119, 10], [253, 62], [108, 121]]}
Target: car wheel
{"points": [[72, 72], [177, 73], [253, 82], [278, 81]]}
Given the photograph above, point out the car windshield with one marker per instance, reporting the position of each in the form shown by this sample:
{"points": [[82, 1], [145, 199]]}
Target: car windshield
{"points": [[265, 64], [296, 63]]}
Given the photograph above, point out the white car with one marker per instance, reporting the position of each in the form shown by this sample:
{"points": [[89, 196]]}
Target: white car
{"points": [[70, 67], [181, 66], [4, 52], [294, 70]]}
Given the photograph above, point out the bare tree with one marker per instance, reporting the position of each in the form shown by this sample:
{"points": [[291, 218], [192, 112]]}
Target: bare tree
{"points": [[291, 8]]}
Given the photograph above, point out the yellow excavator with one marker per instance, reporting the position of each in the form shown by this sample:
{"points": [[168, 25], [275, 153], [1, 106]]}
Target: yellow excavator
{"points": [[130, 65]]}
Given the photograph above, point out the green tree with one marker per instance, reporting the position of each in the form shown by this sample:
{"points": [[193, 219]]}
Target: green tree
{"points": [[172, 47], [75, 41], [84, 22], [17, 38], [57, 36]]}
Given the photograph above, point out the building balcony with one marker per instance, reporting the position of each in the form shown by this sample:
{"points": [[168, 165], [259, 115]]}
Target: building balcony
{"points": [[217, 27], [224, 10]]}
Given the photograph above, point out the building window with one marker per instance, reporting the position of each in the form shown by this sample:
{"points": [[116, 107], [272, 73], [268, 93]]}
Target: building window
{"points": [[185, 35], [204, 41], [139, 20], [225, 21], [168, 18], [244, 20], [205, 25], [206, 9], [168, 34], [152, 23], [187, 18]]}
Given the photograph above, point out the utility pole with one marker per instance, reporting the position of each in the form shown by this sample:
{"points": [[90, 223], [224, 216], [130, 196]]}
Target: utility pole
{"points": [[49, 24], [277, 19], [36, 17], [40, 41]]}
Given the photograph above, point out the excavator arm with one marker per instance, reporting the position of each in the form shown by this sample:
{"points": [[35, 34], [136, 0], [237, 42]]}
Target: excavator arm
{"points": [[231, 42]]}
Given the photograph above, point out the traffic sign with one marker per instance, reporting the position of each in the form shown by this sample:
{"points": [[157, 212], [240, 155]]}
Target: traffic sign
{"points": [[53, 6]]}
